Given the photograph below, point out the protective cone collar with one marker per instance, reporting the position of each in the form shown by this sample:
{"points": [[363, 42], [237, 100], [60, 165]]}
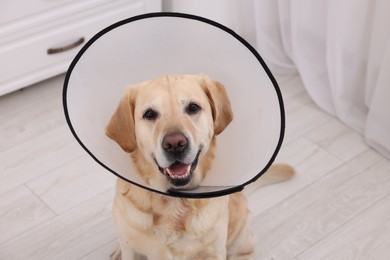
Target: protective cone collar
{"points": [[151, 45]]}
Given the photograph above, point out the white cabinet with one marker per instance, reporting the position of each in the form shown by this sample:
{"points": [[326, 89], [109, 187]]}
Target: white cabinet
{"points": [[40, 38]]}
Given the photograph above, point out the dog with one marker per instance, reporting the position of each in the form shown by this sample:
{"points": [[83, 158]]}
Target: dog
{"points": [[169, 126]]}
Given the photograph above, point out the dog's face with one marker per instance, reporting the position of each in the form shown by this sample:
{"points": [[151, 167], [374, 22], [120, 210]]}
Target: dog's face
{"points": [[169, 125]]}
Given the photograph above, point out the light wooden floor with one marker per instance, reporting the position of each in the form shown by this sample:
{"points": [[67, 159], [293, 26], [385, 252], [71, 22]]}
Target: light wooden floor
{"points": [[55, 202]]}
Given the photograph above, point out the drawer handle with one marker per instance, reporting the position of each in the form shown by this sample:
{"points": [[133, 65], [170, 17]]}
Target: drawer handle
{"points": [[67, 47]]}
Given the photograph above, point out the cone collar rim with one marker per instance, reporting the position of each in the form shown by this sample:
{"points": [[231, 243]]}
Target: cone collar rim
{"points": [[208, 192]]}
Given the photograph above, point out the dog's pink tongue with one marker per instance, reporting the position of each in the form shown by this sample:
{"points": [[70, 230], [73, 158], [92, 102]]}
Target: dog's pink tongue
{"points": [[178, 169]]}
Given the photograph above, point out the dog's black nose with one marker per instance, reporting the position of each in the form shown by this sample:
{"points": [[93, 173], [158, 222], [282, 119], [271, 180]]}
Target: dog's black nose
{"points": [[174, 142]]}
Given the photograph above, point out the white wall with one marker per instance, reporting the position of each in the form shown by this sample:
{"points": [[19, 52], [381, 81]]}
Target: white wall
{"points": [[237, 15]]}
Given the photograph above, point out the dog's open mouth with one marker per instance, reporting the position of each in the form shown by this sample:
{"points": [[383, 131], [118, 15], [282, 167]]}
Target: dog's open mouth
{"points": [[180, 174]]}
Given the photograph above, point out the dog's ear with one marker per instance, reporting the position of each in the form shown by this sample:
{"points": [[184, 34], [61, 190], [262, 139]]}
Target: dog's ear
{"points": [[220, 104], [121, 126]]}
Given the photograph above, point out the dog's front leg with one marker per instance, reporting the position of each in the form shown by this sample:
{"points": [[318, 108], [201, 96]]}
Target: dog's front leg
{"points": [[125, 252]]}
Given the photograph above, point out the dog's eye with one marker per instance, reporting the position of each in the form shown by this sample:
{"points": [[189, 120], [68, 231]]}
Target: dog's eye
{"points": [[150, 114], [193, 108]]}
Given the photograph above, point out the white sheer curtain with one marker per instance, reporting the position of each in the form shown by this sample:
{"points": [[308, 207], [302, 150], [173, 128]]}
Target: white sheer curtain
{"points": [[341, 49]]}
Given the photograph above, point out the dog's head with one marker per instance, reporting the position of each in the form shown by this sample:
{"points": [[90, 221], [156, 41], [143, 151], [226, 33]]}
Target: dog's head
{"points": [[169, 126]]}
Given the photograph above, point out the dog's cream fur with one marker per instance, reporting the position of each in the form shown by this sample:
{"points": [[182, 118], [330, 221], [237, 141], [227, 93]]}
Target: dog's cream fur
{"points": [[163, 227]]}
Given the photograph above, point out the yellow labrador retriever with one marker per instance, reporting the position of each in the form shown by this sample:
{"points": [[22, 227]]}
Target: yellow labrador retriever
{"points": [[169, 126]]}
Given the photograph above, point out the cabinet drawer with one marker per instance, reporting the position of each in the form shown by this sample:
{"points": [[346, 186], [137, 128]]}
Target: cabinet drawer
{"points": [[27, 60]]}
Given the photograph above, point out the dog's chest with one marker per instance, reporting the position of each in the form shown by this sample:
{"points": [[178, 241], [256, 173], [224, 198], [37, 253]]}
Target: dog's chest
{"points": [[173, 227], [171, 218], [187, 227]]}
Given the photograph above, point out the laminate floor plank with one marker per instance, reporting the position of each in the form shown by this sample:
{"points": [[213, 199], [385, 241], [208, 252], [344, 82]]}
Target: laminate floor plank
{"points": [[338, 139], [364, 237], [329, 203], [21, 210], [72, 184], [70, 235], [103, 252], [24, 98], [31, 113], [310, 161], [37, 156], [302, 117]]}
